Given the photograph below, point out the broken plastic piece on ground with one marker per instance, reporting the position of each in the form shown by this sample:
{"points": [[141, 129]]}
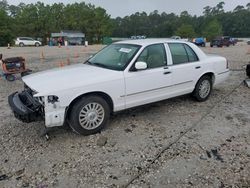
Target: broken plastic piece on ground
{"points": [[216, 155], [208, 154], [3, 177]]}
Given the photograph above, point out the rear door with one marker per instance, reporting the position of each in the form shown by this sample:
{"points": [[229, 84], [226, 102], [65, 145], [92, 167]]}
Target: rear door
{"points": [[185, 69]]}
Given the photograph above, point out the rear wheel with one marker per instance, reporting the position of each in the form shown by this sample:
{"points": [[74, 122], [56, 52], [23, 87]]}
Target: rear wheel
{"points": [[203, 88], [89, 115], [37, 44], [21, 44]]}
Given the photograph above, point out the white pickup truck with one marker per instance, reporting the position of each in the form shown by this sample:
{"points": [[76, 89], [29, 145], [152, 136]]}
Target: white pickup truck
{"points": [[123, 75]]}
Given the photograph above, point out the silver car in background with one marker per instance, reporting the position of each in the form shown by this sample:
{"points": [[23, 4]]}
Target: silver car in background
{"points": [[27, 41]]}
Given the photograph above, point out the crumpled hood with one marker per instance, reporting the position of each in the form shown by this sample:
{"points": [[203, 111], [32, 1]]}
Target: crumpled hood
{"points": [[65, 78]]}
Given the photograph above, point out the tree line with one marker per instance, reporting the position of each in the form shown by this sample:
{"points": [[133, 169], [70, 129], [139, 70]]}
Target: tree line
{"points": [[39, 20]]}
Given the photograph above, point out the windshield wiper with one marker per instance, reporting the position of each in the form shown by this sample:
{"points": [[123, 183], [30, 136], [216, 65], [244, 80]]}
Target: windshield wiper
{"points": [[96, 64], [87, 62], [100, 65]]}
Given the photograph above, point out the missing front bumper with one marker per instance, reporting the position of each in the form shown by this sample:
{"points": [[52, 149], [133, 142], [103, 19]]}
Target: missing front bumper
{"points": [[25, 107]]}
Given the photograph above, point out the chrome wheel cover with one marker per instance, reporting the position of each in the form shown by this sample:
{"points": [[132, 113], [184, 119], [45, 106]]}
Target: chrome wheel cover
{"points": [[204, 88], [91, 116]]}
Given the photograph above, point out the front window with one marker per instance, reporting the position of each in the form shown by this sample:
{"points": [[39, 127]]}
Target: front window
{"points": [[154, 55], [115, 56]]}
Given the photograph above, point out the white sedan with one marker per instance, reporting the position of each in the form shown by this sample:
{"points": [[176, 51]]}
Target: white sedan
{"points": [[122, 75]]}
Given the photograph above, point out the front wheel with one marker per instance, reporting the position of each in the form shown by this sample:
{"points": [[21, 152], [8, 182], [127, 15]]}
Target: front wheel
{"points": [[37, 44], [89, 115], [203, 89]]}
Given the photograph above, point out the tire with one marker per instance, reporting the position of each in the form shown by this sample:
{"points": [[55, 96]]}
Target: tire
{"points": [[211, 46], [248, 70], [203, 45], [21, 44], [89, 115], [203, 88], [37, 44], [10, 77]]}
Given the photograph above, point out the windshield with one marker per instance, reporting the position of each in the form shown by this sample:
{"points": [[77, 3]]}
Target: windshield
{"points": [[115, 56]]}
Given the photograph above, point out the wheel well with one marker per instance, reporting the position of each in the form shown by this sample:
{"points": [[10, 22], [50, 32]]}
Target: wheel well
{"points": [[211, 75], [105, 96]]}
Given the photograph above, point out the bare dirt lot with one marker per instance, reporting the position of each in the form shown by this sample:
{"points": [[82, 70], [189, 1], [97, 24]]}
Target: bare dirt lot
{"points": [[173, 143]]}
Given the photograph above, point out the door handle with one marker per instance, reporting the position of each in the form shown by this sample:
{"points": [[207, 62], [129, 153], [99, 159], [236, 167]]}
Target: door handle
{"points": [[198, 67], [168, 72]]}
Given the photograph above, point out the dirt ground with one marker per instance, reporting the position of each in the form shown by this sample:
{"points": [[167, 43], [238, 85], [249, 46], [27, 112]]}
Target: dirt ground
{"points": [[173, 143]]}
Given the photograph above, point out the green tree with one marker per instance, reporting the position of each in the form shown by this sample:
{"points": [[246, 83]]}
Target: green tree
{"points": [[4, 5], [248, 6], [5, 24], [212, 29], [185, 31], [40, 20], [207, 11], [239, 8], [218, 9]]}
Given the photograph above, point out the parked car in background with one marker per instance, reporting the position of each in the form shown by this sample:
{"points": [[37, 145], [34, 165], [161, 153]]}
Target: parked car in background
{"points": [[217, 42], [176, 37], [233, 41], [200, 41], [179, 38], [223, 41], [75, 41], [220, 42], [122, 75], [27, 41], [138, 37], [248, 42]]}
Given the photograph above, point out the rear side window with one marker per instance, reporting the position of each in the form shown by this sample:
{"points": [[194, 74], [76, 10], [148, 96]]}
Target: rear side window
{"points": [[182, 53], [191, 54]]}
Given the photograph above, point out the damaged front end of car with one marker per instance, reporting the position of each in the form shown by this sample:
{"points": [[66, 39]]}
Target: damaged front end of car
{"points": [[29, 106], [25, 106]]}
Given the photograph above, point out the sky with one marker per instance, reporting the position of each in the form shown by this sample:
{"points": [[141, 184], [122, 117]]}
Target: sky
{"points": [[123, 8]]}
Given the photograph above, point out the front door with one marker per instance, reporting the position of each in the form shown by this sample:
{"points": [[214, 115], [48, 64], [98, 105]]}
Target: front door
{"points": [[151, 84]]}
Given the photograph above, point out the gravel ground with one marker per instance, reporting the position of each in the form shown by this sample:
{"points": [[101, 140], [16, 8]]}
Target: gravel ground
{"points": [[173, 143]]}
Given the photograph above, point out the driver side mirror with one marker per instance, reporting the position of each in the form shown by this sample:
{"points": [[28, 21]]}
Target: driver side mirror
{"points": [[1, 56], [140, 65]]}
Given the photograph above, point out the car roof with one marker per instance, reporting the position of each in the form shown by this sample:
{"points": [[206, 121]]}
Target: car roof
{"points": [[146, 42], [25, 37]]}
